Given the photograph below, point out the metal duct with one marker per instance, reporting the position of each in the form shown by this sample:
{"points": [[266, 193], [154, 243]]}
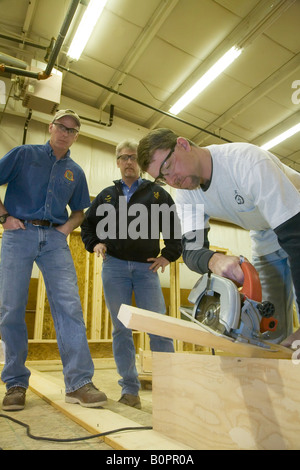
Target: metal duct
{"points": [[54, 53], [9, 60]]}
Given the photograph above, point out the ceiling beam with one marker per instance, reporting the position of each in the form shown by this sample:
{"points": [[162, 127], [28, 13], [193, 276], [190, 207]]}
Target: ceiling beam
{"points": [[253, 25], [248, 100], [148, 33]]}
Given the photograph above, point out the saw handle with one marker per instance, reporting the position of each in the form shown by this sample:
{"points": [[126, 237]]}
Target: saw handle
{"points": [[251, 286], [252, 289]]}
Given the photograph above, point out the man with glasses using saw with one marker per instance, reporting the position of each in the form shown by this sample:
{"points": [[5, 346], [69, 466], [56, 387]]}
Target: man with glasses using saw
{"points": [[42, 180], [247, 186], [131, 258]]}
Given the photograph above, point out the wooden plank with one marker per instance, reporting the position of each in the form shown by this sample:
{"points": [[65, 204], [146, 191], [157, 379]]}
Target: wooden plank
{"points": [[97, 299], [101, 419], [86, 288], [175, 296], [227, 403], [151, 322], [40, 308]]}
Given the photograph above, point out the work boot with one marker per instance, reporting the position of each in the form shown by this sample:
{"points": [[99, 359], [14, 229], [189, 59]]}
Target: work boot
{"points": [[14, 399], [88, 396], [131, 400]]}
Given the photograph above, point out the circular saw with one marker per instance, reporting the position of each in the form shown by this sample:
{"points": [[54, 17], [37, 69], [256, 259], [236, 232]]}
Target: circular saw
{"points": [[224, 309]]}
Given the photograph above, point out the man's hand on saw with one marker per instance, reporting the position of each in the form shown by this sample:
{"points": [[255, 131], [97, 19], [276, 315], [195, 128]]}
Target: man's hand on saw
{"points": [[227, 266]]}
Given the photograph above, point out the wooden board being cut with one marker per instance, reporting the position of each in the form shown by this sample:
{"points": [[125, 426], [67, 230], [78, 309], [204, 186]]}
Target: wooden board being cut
{"points": [[155, 323]]}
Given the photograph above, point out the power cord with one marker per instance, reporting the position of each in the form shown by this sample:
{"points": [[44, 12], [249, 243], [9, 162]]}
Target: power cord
{"points": [[75, 439]]}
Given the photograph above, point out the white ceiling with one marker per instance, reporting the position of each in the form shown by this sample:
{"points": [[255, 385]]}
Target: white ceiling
{"points": [[151, 51]]}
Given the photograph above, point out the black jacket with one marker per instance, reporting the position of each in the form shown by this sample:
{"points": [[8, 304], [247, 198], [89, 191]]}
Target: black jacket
{"points": [[132, 231]]}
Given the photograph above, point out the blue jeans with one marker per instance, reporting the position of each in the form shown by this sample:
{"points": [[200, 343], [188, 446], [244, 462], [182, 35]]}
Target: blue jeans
{"points": [[121, 278], [49, 249], [277, 287]]}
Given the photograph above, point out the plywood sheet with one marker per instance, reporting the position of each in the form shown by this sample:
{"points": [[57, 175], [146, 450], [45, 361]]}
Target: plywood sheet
{"points": [[219, 402]]}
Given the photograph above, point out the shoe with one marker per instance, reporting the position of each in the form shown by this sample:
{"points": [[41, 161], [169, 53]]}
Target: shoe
{"points": [[131, 400], [88, 396], [14, 399]]}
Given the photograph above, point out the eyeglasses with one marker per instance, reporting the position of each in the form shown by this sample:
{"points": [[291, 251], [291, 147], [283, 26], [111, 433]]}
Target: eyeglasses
{"points": [[69, 130], [164, 169], [125, 157]]}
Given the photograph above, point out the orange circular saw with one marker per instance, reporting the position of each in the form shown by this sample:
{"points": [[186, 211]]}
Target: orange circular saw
{"points": [[225, 309]]}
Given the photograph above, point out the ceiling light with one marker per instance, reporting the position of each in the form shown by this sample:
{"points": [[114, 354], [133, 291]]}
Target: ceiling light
{"points": [[281, 137], [206, 79], [85, 28]]}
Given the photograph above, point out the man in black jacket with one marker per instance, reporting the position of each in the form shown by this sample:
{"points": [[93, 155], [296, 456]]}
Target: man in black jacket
{"points": [[123, 225]]}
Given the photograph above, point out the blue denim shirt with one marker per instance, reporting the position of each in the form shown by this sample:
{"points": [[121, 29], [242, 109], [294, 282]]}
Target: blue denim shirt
{"points": [[40, 186], [128, 192]]}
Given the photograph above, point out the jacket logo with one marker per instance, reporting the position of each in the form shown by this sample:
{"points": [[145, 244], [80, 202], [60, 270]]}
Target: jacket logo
{"points": [[156, 195], [69, 175], [238, 198], [108, 198]]}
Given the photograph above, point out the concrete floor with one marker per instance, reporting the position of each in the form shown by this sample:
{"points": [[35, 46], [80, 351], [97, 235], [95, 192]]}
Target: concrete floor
{"points": [[44, 420]]}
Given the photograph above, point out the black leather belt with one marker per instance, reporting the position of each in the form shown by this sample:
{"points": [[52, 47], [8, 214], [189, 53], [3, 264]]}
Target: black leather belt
{"points": [[41, 223]]}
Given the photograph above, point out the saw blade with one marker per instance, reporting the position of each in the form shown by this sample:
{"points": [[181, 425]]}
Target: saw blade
{"points": [[208, 312]]}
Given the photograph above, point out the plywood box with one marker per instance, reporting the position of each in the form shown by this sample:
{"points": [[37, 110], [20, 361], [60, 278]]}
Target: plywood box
{"points": [[219, 402]]}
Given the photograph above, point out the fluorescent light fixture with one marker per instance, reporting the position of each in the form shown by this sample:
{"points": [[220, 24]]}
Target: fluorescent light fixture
{"points": [[85, 28], [281, 137], [206, 79]]}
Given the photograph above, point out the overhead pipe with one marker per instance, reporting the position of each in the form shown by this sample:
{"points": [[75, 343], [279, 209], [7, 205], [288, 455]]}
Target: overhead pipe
{"points": [[111, 118], [26, 42], [54, 53], [26, 126], [10, 60], [21, 72], [52, 58], [111, 90], [61, 36]]}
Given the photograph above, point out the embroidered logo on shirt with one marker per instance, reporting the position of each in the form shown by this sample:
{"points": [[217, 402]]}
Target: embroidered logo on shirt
{"points": [[108, 198], [156, 195], [69, 175], [239, 199]]}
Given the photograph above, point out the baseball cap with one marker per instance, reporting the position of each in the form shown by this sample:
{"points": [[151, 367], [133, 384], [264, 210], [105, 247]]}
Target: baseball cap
{"points": [[67, 112]]}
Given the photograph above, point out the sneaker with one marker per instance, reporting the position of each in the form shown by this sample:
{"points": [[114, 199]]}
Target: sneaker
{"points": [[131, 400], [14, 399], [88, 396]]}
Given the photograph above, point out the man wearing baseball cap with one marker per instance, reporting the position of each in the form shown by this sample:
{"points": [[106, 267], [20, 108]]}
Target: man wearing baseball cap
{"points": [[42, 180], [67, 112]]}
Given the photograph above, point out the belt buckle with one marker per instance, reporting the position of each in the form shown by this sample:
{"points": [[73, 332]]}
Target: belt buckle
{"points": [[37, 224]]}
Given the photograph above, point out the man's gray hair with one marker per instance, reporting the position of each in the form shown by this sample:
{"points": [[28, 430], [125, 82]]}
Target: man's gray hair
{"points": [[128, 144]]}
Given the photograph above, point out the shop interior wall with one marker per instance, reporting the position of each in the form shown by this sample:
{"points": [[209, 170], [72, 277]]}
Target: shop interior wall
{"points": [[98, 161]]}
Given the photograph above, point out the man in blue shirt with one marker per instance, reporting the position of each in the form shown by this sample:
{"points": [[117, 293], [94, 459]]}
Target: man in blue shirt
{"points": [[123, 225], [42, 180]]}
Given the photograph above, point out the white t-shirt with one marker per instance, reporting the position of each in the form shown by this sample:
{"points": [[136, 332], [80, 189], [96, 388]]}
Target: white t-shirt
{"points": [[251, 188]]}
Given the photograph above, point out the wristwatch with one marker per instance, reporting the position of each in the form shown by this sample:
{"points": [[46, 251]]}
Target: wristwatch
{"points": [[3, 218]]}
